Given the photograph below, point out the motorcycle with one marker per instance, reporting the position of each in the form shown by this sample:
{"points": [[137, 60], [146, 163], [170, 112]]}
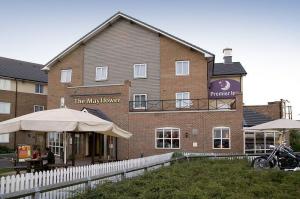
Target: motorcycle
{"points": [[281, 157]]}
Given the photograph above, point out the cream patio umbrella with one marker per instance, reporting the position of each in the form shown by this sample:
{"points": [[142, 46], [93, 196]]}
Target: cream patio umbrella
{"points": [[62, 120], [278, 125]]}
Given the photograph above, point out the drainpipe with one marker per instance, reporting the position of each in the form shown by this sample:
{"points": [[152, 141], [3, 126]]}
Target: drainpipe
{"points": [[16, 111]]}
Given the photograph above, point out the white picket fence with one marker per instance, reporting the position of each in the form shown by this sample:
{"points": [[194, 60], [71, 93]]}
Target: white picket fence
{"points": [[224, 156], [14, 183]]}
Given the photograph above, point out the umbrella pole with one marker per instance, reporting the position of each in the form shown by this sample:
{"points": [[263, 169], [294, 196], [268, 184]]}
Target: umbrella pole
{"points": [[65, 147], [73, 148], [93, 148]]}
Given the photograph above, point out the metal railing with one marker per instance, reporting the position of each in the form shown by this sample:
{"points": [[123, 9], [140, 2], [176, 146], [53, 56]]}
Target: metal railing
{"points": [[182, 105]]}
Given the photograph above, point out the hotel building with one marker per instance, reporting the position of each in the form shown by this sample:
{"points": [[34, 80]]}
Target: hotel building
{"points": [[23, 90], [170, 94]]}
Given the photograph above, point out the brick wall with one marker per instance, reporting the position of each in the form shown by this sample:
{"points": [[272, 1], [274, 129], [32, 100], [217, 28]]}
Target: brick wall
{"points": [[272, 109], [195, 82]]}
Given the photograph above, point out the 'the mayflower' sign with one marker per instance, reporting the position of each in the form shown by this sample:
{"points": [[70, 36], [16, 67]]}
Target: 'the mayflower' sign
{"points": [[101, 100], [224, 88]]}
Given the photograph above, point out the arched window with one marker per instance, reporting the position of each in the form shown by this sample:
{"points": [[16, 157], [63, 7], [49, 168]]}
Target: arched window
{"points": [[221, 138], [167, 138]]}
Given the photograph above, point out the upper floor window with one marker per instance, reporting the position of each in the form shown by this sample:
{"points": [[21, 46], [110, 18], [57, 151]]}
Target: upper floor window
{"points": [[140, 101], [39, 88], [37, 108], [182, 68], [140, 70], [101, 73], [167, 138], [183, 100], [66, 76], [4, 108], [5, 84], [221, 138]]}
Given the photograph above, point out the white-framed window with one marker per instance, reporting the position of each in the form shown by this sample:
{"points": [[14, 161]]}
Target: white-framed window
{"points": [[167, 138], [183, 100], [182, 68], [66, 76], [140, 101], [140, 70], [4, 138], [101, 73], [37, 108], [221, 138], [259, 142], [55, 143], [39, 88], [5, 84], [4, 108]]}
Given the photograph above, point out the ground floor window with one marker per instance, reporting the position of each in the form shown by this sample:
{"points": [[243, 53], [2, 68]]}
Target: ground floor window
{"points": [[167, 138], [221, 138], [55, 143], [259, 142]]}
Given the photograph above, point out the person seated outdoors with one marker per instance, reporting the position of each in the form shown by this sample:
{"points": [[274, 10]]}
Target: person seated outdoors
{"points": [[36, 153], [50, 156]]}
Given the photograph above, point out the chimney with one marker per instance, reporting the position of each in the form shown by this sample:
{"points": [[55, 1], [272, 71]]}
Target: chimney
{"points": [[227, 55]]}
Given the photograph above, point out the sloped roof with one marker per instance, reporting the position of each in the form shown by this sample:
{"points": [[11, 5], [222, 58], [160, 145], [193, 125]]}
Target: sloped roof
{"points": [[12, 68], [97, 113], [235, 68], [252, 118], [111, 20]]}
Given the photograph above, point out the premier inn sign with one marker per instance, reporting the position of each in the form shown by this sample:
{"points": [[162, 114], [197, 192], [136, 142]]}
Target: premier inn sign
{"points": [[224, 89], [100, 100]]}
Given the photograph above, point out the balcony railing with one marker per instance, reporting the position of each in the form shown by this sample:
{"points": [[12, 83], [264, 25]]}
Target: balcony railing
{"points": [[182, 105]]}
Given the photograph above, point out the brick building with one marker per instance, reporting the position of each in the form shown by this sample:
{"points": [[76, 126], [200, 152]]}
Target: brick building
{"points": [[170, 94], [23, 90]]}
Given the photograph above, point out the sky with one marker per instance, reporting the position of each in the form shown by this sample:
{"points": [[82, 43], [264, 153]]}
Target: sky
{"points": [[264, 34]]}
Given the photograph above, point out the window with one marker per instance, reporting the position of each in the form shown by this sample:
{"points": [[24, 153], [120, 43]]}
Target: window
{"points": [[4, 108], [221, 138], [167, 138], [62, 102], [66, 76], [55, 143], [39, 88], [140, 101], [259, 142], [5, 84], [101, 73], [4, 138], [140, 70], [37, 108], [182, 68], [182, 100]]}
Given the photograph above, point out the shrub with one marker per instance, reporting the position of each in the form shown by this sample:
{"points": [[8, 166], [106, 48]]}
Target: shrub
{"points": [[4, 149], [295, 140]]}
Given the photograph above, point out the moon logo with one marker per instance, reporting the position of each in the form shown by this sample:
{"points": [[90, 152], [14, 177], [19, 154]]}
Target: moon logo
{"points": [[225, 85]]}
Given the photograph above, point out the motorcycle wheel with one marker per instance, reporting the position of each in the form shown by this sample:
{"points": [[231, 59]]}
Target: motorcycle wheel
{"points": [[261, 163]]}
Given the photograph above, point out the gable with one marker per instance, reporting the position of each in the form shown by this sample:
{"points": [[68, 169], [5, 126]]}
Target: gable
{"points": [[109, 22]]}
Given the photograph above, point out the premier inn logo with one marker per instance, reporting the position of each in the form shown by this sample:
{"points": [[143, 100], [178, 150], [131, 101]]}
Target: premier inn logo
{"points": [[101, 100]]}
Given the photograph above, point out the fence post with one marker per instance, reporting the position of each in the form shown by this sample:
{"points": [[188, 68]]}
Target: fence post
{"points": [[88, 184], [123, 175], [37, 193]]}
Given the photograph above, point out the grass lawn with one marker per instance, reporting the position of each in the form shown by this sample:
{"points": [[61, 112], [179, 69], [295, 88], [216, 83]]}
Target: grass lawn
{"points": [[204, 179]]}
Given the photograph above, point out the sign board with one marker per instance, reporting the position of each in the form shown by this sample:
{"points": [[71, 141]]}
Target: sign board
{"points": [[224, 89], [100, 100], [24, 152]]}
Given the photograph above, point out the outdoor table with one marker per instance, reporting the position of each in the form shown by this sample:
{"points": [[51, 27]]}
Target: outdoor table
{"points": [[36, 164]]}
